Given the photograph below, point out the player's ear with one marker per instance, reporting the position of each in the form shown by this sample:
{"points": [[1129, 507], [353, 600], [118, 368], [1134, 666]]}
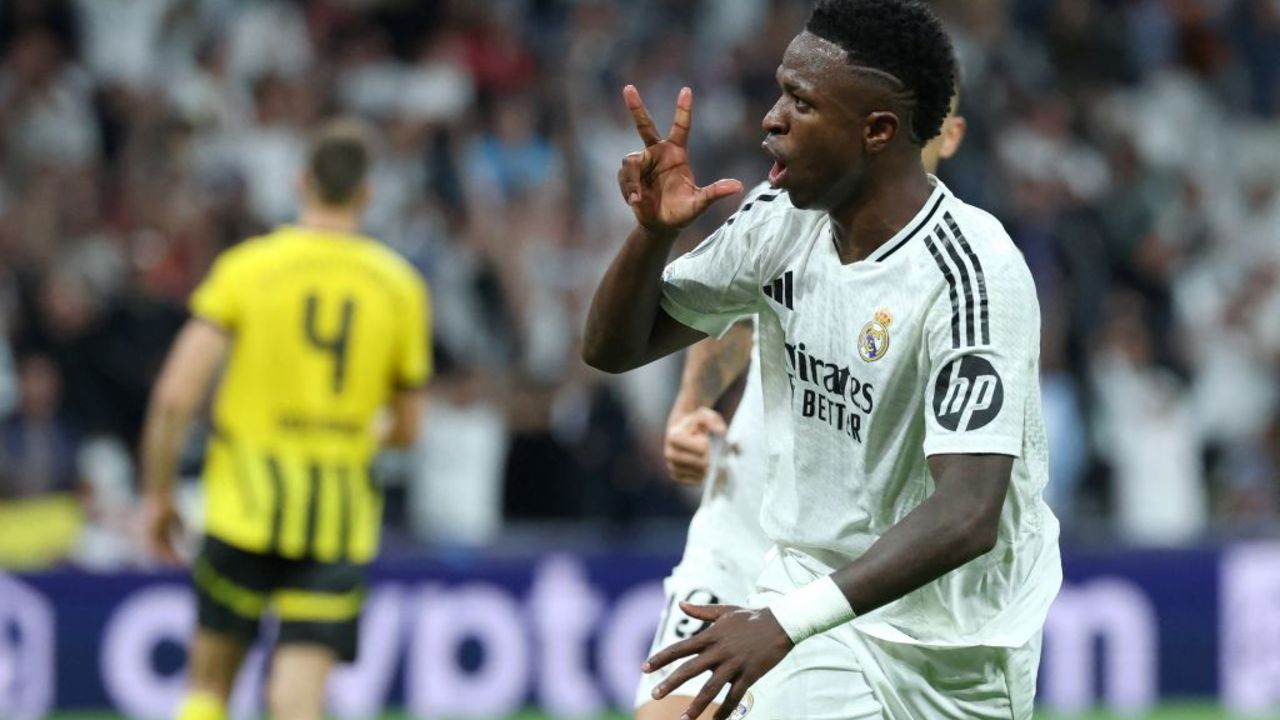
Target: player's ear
{"points": [[882, 127], [953, 130]]}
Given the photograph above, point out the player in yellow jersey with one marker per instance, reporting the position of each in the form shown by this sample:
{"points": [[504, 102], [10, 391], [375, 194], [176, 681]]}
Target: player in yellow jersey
{"points": [[319, 329]]}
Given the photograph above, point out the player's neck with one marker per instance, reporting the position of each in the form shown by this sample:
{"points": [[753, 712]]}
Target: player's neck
{"points": [[327, 219], [884, 207]]}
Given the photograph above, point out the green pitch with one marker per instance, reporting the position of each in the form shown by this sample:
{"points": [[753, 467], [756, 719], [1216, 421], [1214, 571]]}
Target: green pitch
{"points": [[1188, 711]]}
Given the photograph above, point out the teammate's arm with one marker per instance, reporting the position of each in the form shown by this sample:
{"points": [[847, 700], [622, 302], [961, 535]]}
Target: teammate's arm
{"points": [[710, 368], [626, 327], [184, 383], [413, 368], [406, 418]]}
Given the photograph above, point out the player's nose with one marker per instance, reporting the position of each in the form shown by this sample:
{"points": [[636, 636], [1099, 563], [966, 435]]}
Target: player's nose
{"points": [[774, 122]]}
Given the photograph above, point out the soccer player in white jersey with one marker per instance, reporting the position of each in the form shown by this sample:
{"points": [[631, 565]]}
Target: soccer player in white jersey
{"points": [[724, 551], [914, 558]]}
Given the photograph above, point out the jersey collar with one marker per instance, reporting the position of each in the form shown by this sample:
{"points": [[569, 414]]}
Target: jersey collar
{"points": [[922, 221]]}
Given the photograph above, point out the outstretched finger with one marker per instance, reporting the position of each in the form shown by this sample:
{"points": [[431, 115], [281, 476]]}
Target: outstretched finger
{"points": [[682, 675], [708, 694], [715, 191], [679, 134], [671, 653], [706, 613], [737, 689], [644, 124]]}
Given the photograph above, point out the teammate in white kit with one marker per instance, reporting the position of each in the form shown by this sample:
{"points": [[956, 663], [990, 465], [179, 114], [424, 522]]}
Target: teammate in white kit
{"points": [[899, 343], [724, 551]]}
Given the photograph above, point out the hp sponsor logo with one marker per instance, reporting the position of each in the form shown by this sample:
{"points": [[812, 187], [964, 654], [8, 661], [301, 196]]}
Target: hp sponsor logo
{"points": [[968, 394]]}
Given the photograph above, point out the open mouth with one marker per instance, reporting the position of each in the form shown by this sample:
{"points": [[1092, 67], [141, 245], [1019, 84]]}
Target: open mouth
{"points": [[779, 169], [777, 172]]}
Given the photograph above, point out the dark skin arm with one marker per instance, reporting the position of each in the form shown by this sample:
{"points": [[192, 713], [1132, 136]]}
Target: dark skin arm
{"points": [[953, 526], [626, 327]]}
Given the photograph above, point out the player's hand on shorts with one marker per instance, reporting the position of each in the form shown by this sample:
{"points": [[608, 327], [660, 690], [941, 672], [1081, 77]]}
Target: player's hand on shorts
{"points": [[738, 649], [163, 528], [687, 445], [657, 182]]}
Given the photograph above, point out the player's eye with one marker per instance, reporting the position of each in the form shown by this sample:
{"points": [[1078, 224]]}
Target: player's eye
{"points": [[800, 105]]}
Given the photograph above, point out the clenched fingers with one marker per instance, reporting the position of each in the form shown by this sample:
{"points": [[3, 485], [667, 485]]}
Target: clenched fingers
{"points": [[629, 177], [690, 473], [694, 443], [688, 458], [706, 420]]}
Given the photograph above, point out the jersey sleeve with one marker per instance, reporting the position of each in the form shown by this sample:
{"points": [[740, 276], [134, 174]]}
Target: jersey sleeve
{"points": [[983, 339], [413, 358], [715, 284], [217, 299]]}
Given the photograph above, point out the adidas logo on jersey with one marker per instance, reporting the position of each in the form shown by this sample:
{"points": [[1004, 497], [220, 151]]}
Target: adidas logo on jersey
{"points": [[781, 290]]}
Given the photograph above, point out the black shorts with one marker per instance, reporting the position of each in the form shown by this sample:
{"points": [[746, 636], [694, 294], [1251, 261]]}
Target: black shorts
{"points": [[315, 602]]}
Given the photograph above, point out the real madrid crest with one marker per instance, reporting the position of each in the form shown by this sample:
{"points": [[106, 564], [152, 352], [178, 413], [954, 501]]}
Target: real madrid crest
{"points": [[873, 340]]}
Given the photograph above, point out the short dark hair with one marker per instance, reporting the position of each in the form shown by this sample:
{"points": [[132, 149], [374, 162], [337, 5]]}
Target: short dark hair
{"points": [[340, 158], [900, 37]]}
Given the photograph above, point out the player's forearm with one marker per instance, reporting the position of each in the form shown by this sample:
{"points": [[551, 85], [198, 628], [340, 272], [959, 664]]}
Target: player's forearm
{"points": [[943, 533], [954, 525], [165, 432], [711, 367], [621, 320], [405, 422], [179, 393]]}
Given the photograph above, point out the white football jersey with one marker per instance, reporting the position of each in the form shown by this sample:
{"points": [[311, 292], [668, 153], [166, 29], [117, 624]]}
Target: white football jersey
{"points": [[928, 346], [725, 530]]}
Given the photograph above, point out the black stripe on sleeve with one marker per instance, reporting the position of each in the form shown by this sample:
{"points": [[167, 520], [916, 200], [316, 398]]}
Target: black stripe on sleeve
{"points": [[313, 509], [963, 270], [951, 285], [977, 269], [923, 223], [764, 198], [344, 511], [277, 512]]}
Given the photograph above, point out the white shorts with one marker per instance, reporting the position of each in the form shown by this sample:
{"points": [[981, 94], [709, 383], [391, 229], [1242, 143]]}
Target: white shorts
{"points": [[846, 674], [701, 583], [859, 677]]}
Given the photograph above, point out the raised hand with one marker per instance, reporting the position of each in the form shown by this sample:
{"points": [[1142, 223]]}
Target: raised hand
{"points": [[738, 649], [657, 182], [687, 445]]}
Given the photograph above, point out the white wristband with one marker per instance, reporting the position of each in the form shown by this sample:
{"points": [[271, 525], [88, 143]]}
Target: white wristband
{"points": [[814, 608]]}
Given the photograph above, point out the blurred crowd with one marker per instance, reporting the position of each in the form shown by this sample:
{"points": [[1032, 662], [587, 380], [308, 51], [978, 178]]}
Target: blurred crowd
{"points": [[1131, 147]]}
